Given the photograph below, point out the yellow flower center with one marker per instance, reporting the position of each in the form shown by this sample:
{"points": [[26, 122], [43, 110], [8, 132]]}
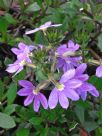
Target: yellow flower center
{"points": [[60, 87], [35, 92], [22, 63]]}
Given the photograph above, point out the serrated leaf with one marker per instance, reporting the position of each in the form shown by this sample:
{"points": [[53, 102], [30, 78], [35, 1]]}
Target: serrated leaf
{"points": [[6, 121], [11, 94]]}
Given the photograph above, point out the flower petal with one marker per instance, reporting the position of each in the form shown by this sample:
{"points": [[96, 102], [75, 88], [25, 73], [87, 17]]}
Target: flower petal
{"points": [[36, 104], [81, 69], [67, 75], [99, 71], [24, 92], [43, 100], [16, 51], [32, 31], [21, 46], [53, 99], [74, 83], [26, 84], [70, 93], [63, 100], [28, 100]]}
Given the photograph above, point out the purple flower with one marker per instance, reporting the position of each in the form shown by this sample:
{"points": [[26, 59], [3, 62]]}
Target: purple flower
{"points": [[43, 27], [29, 91], [99, 71], [64, 89], [85, 87], [65, 61], [18, 65], [23, 49]]}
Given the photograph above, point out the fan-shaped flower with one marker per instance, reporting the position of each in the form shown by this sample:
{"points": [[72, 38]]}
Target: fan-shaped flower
{"points": [[65, 61], [29, 91]]}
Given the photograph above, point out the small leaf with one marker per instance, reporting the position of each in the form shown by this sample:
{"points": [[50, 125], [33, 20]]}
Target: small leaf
{"points": [[6, 121], [10, 19], [22, 132], [36, 120], [90, 126], [33, 7], [11, 94], [100, 42], [79, 110], [10, 109]]}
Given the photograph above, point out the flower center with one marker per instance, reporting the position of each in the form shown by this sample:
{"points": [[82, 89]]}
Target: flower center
{"points": [[35, 92], [60, 87], [22, 63]]}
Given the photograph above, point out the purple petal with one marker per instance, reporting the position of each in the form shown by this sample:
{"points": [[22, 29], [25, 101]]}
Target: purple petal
{"points": [[53, 99], [43, 100], [70, 93], [99, 71], [63, 100], [19, 70], [74, 83], [24, 92], [36, 104], [32, 31], [21, 46], [83, 77], [81, 69], [26, 84], [67, 75], [28, 100], [12, 68], [93, 90], [16, 51]]}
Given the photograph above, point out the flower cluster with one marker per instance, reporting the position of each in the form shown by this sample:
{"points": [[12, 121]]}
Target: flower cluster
{"points": [[72, 84]]}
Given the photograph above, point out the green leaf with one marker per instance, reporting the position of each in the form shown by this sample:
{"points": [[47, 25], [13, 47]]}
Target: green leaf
{"points": [[33, 7], [89, 126], [100, 42], [6, 121], [10, 19], [11, 94], [36, 120], [79, 110], [10, 109], [22, 132]]}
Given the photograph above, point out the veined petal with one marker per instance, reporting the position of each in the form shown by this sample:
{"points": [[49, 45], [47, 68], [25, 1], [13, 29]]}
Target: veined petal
{"points": [[74, 83], [67, 75], [26, 84], [28, 100], [81, 69], [63, 100], [70, 93], [36, 104], [83, 77], [24, 91], [43, 100], [53, 99]]}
